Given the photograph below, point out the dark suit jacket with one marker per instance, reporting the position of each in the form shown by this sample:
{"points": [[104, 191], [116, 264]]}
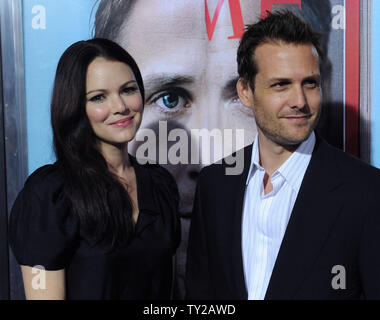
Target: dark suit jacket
{"points": [[335, 221]]}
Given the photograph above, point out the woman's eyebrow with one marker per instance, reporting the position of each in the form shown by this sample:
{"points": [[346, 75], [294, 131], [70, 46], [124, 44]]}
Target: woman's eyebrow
{"points": [[104, 90], [128, 83]]}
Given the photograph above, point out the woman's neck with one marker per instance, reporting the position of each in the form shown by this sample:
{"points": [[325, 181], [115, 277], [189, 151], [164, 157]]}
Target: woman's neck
{"points": [[116, 157]]}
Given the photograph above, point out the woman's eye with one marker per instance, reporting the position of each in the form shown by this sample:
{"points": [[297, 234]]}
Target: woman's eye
{"points": [[130, 90], [98, 98]]}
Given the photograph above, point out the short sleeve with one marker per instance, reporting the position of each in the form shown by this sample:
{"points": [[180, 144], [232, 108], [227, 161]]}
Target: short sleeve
{"points": [[42, 229]]}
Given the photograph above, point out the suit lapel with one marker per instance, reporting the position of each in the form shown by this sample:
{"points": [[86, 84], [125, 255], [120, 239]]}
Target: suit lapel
{"points": [[233, 256], [314, 212]]}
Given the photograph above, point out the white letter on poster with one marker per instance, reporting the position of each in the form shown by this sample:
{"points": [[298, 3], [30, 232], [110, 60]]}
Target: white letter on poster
{"points": [[39, 20], [339, 19]]}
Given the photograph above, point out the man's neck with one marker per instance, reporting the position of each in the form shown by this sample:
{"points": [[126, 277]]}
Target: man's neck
{"points": [[273, 155]]}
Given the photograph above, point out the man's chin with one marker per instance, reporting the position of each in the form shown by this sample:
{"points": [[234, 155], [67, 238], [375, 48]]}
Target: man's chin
{"points": [[291, 141]]}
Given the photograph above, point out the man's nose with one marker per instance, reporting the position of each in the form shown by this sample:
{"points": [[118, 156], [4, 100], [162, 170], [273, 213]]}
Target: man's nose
{"points": [[298, 97]]}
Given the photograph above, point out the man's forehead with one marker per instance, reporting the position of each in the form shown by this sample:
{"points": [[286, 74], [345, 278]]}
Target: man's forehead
{"points": [[170, 37], [186, 18], [168, 18], [286, 60], [282, 50]]}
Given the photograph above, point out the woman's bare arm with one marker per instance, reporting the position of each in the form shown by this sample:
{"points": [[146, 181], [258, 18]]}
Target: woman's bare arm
{"points": [[41, 284]]}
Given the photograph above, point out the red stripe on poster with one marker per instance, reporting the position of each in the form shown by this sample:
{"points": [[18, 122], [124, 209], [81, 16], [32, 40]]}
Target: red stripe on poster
{"points": [[352, 77]]}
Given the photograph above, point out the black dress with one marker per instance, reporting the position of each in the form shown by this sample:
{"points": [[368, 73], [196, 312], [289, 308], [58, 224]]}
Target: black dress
{"points": [[43, 231]]}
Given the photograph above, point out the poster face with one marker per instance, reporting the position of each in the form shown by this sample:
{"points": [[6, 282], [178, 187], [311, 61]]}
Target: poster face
{"points": [[186, 51]]}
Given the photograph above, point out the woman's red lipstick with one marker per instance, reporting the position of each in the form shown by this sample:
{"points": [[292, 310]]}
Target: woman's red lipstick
{"points": [[122, 123]]}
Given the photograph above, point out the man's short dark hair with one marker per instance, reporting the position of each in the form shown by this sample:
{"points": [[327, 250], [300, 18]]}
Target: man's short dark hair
{"points": [[277, 27]]}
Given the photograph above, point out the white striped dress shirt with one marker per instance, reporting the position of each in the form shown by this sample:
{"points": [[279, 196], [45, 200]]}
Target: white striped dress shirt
{"points": [[265, 217]]}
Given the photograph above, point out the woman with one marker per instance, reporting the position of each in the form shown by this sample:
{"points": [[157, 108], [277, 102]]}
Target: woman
{"points": [[102, 225]]}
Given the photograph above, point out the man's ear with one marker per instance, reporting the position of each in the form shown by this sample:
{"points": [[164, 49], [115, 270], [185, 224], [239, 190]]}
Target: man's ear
{"points": [[244, 92]]}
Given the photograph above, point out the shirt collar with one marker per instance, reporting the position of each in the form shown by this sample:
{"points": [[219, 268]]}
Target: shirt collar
{"points": [[294, 168], [255, 159], [299, 159]]}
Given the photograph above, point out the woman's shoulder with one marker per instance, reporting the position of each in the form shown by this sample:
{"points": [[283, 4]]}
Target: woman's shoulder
{"points": [[45, 179], [161, 178], [159, 174], [42, 230]]}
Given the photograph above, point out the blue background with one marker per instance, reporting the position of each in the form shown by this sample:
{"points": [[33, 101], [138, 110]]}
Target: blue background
{"points": [[66, 22]]}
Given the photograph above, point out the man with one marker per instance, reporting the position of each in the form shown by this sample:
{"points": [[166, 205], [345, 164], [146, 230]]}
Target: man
{"points": [[189, 71], [302, 221]]}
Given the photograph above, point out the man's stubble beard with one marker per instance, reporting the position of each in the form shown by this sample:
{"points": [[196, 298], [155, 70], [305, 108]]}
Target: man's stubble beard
{"points": [[277, 135]]}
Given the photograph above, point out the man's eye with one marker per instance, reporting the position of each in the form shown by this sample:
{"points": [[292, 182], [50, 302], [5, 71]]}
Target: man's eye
{"points": [[311, 83], [235, 105], [97, 99], [279, 84], [172, 101]]}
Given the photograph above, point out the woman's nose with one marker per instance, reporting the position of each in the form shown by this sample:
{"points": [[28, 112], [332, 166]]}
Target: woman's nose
{"points": [[119, 105]]}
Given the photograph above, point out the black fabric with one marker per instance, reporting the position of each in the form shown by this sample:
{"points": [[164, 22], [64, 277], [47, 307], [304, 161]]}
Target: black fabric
{"points": [[335, 222], [43, 231]]}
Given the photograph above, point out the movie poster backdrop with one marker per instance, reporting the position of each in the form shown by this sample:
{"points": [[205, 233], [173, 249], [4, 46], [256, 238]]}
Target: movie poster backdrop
{"points": [[186, 51]]}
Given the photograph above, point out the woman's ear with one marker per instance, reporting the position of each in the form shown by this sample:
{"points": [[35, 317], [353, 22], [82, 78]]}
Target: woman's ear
{"points": [[244, 92]]}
